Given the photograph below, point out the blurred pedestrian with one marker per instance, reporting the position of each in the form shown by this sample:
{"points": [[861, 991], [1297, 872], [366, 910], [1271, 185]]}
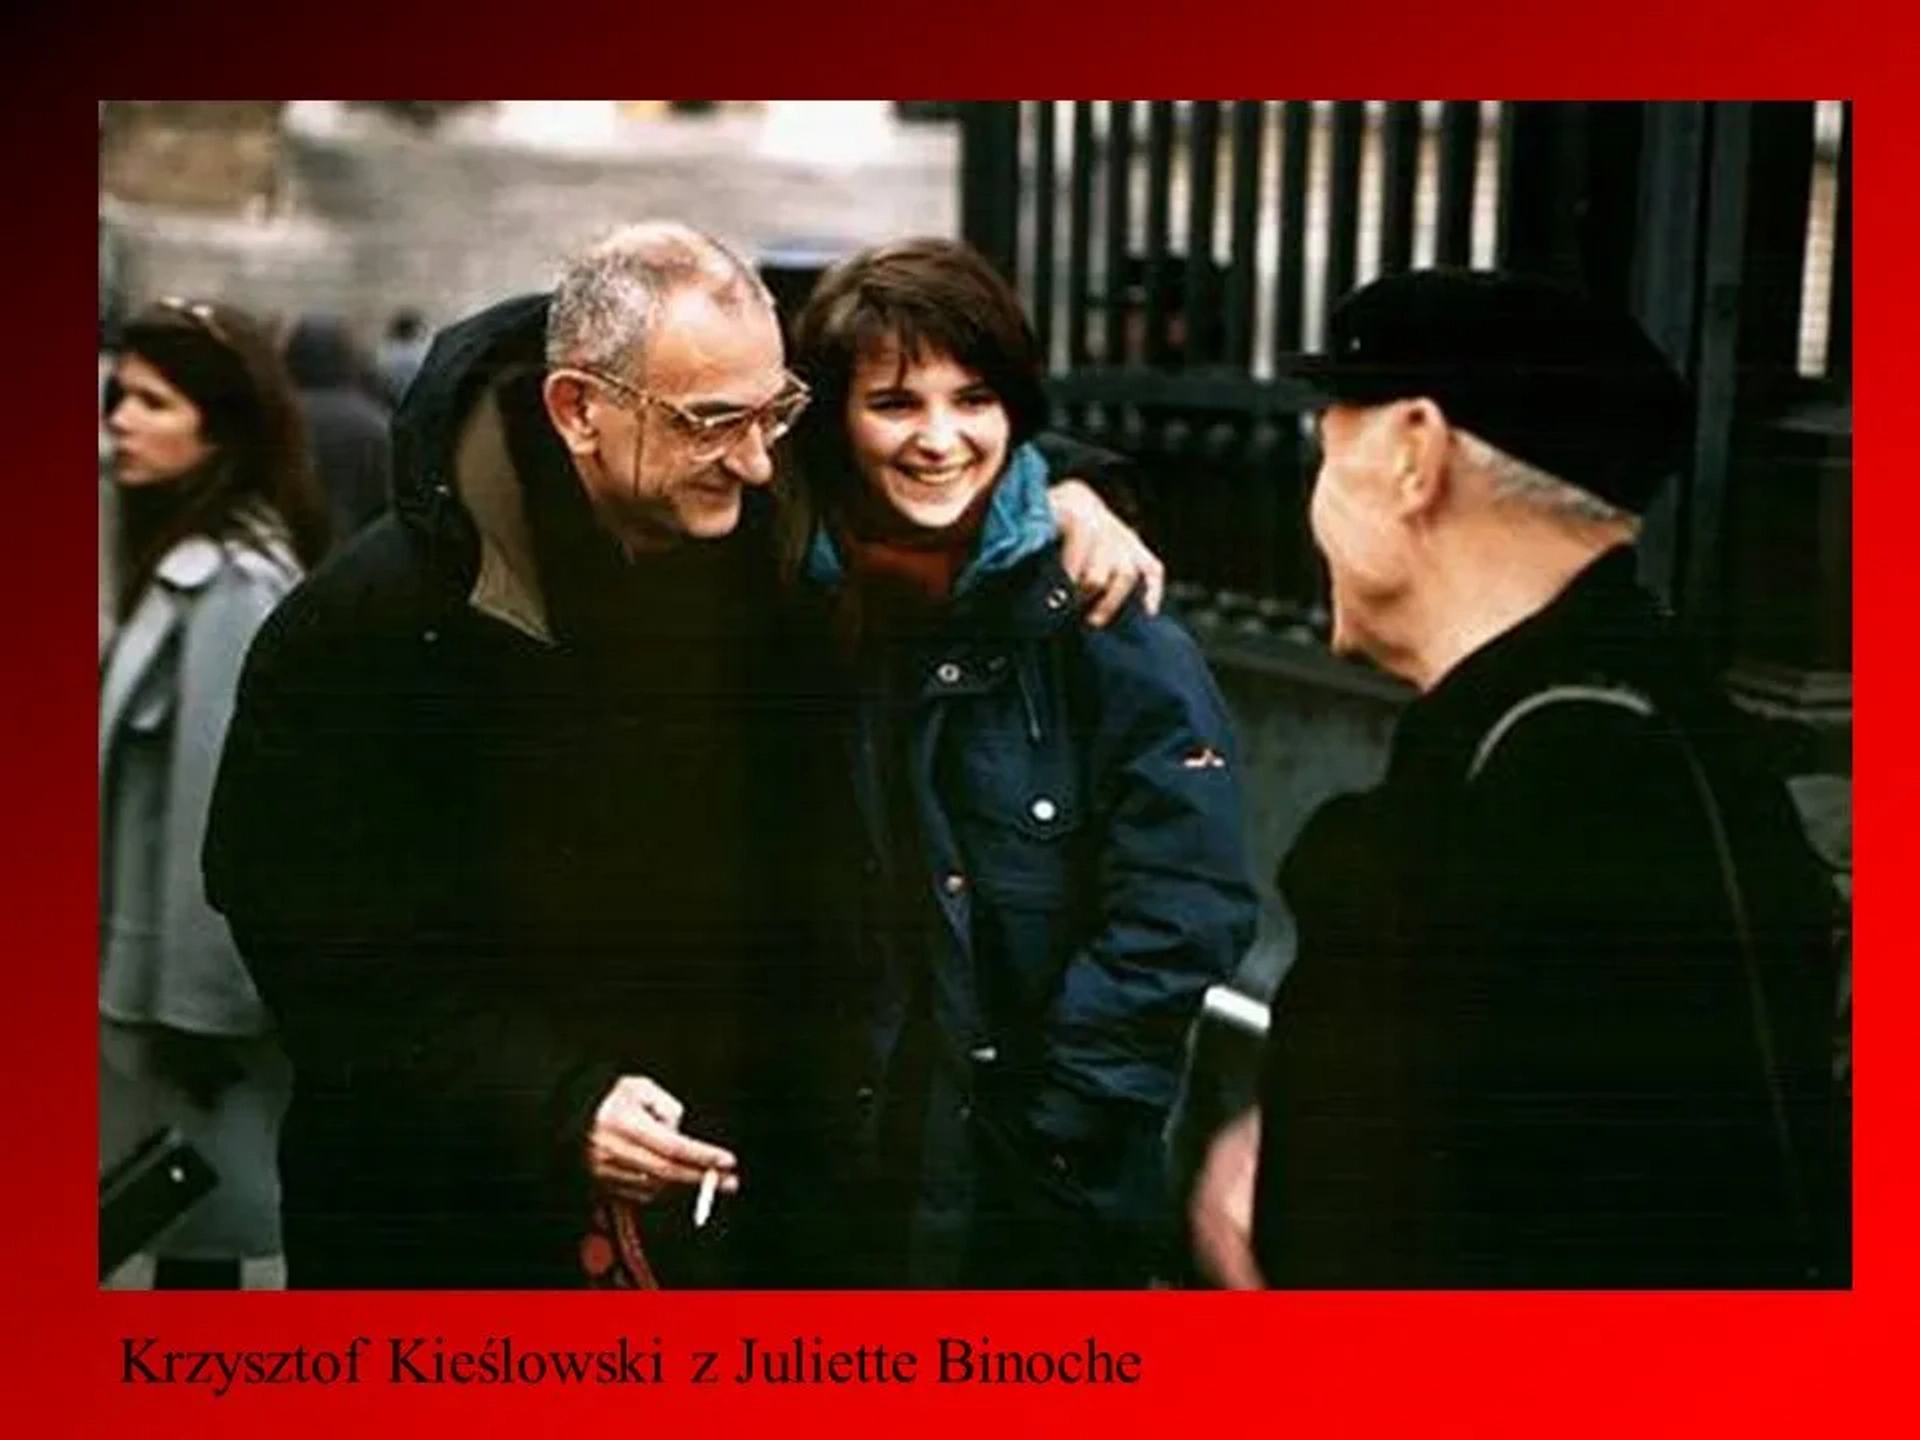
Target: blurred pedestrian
{"points": [[1563, 1008], [346, 428], [217, 517], [402, 350]]}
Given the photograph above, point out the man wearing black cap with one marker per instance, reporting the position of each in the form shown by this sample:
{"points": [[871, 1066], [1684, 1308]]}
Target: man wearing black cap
{"points": [[1560, 1013]]}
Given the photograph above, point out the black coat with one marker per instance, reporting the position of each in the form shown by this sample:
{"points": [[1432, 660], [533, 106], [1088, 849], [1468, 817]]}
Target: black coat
{"points": [[479, 872], [1517, 1047]]}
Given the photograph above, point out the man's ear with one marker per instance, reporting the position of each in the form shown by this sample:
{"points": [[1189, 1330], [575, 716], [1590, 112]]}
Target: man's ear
{"points": [[1422, 438], [566, 398]]}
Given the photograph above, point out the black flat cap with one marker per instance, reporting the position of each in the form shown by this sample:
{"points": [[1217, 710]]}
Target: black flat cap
{"points": [[1531, 366]]}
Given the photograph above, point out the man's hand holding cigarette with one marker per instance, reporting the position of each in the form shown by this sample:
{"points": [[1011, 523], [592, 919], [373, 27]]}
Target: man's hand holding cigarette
{"points": [[635, 1147]]}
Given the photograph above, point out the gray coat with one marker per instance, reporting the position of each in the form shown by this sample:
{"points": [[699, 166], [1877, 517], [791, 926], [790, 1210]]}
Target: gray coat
{"points": [[168, 966]]}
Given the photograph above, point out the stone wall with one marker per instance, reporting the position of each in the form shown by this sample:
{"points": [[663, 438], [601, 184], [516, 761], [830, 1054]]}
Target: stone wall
{"points": [[208, 157], [368, 216]]}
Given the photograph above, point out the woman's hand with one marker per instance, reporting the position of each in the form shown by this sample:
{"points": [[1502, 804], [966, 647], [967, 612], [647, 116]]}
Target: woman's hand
{"points": [[1102, 555], [1220, 1215]]}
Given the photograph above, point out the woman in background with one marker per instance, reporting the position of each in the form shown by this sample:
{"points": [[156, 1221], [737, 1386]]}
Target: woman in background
{"points": [[218, 516]]}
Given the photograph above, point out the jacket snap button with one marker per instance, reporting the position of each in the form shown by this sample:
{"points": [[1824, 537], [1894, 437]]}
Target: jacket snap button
{"points": [[984, 1054], [430, 636], [1043, 809], [948, 673], [1056, 599], [863, 1097], [954, 883]]}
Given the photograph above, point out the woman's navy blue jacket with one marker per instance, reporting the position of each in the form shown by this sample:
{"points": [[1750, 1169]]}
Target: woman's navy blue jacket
{"points": [[1077, 805]]}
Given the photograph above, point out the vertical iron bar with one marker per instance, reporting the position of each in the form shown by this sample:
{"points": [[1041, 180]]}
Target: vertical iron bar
{"points": [[1284, 538], [1297, 120], [1399, 172], [1664, 295], [1080, 235], [1159, 223], [1119, 210], [1203, 294], [1045, 188], [1459, 153], [1249, 120], [1840, 303], [1343, 202], [1717, 380], [990, 181]]}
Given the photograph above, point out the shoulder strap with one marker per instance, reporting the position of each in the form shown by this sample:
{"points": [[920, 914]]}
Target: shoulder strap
{"points": [[1792, 1177], [1617, 696]]}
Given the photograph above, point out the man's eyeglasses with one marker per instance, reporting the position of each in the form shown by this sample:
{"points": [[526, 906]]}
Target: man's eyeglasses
{"points": [[715, 434]]}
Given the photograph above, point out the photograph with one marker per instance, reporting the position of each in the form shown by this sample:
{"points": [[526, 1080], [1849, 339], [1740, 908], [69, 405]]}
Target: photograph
{"points": [[988, 695]]}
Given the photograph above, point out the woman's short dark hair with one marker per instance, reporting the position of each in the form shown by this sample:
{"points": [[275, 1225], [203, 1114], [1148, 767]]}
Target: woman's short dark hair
{"points": [[931, 297], [224, 361]]}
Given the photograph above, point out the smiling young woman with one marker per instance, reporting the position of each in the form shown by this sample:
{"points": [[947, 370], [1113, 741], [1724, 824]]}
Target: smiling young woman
{"points": [[1051, 885]]}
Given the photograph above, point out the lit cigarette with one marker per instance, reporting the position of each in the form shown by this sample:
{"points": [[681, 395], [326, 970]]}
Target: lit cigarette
{"points": [[703, 1202]]}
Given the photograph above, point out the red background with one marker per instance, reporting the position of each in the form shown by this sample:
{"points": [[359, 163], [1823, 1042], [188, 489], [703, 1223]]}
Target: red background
{"points": [[1314, 1364]]}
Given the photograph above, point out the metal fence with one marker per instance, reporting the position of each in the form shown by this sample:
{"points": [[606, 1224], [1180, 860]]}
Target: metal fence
{"points": [[1175, 254]]}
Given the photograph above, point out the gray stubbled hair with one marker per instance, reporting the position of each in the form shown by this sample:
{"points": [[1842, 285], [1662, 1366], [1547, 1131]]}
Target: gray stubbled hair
{"points": [[609, 296], [1514, 479]]}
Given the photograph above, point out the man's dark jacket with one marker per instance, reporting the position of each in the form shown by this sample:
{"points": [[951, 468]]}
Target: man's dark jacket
{"points": [[1518, 1046], [483, 859]]}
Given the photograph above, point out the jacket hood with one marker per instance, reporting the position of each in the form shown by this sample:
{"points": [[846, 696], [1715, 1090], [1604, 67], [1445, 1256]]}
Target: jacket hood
{"points": [[463, 360], [457, 468], [454, 482]]}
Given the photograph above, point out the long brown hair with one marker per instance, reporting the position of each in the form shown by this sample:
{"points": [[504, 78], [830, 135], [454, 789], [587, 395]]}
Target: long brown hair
{"points": [[222, 360]]}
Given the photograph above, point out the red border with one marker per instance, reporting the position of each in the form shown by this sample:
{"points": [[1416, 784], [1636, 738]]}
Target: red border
{"points": [[1406, 1364]]}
